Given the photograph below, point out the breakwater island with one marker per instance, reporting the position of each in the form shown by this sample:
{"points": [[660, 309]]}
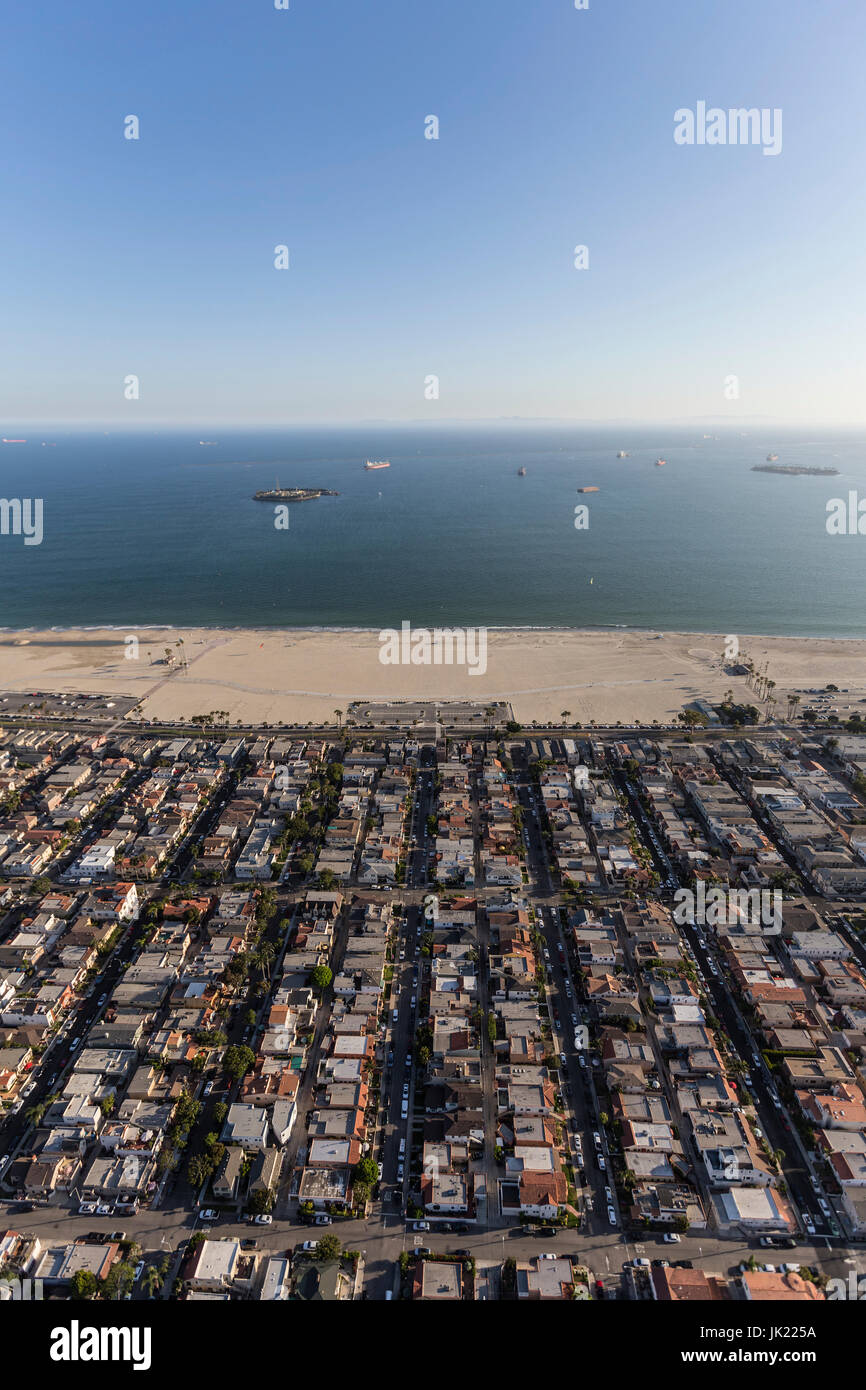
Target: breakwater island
{"points": [[794, 472], [293, 494]]}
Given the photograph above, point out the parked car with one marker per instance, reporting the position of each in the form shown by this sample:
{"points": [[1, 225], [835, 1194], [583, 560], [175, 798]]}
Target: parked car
{"points": [[208, 1215], [420, 1225], [103, 1209], [380, 1169], [308, 1245], [264, 1219], [322, 1221], [87, 1209], [137, 1273], [611, 1216]]}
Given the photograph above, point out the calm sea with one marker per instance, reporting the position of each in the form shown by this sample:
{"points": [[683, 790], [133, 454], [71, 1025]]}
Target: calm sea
{"points": [[156, 528]]}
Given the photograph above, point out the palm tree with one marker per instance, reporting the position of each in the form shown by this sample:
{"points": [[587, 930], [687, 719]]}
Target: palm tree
{"points": [[267, 952], [565, 715], [793, 702], [339, 714], [152, 1281]]}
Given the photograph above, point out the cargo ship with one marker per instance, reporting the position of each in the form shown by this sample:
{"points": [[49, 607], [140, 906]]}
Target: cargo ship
{"points": [[771, 458], [587, 489], [383, 463], [660, 463]]}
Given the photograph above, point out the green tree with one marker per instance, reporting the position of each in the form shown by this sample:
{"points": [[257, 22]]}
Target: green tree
{"points": [[366, 1170], [199, 1170], [329, 1248], [261, 1201], [119, 1280], [83, 1284], [320, 977], [237, 1061]]}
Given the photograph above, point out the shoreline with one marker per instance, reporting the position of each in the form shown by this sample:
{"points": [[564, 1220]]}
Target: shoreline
{"points": [[310, 628], [301, 675]]}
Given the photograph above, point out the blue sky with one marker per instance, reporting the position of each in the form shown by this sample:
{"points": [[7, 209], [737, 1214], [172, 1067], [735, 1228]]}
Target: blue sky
{"points": [[413, 257]]}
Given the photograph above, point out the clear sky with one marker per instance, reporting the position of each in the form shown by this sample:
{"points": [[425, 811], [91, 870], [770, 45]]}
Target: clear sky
{"points": [[412, 257]]}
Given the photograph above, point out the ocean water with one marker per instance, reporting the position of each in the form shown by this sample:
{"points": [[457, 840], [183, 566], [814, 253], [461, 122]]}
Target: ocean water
{"points": [[153, 528]]}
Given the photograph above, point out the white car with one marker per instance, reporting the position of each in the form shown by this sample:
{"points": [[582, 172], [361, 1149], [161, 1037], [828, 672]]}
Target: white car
{"points": [[308, 1245], [87, 1209], [640, 1263], [103, 1210], [808, 1223], [139, 1270], [380, 1168], [671, 1238], [264, 1220], [611, 1216]]}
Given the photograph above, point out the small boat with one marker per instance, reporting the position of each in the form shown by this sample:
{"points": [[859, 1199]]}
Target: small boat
{"points": [[521, 472], [587, 489], [14, 441], [771, 458], [660, 463], [623, 454]]}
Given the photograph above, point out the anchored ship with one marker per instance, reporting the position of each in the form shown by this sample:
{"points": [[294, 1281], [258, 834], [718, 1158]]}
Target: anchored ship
{"points": [[660, 463], [587, 489], [623, 454], [521, 472], [771, 458], [382, 463]]}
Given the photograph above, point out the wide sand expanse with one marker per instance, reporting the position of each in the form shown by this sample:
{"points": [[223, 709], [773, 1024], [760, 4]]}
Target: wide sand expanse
{"points": [[296, 675]]}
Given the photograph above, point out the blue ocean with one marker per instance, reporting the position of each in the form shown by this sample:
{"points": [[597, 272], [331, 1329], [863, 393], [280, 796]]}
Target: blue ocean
{"points": [[155, 527]]}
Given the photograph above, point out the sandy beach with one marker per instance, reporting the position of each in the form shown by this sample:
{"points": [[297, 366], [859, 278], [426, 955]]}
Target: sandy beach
{"points": [[300, 675]]}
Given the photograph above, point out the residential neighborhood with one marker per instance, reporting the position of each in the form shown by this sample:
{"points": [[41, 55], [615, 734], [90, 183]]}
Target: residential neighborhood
{"points": [[389, 1016]]}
